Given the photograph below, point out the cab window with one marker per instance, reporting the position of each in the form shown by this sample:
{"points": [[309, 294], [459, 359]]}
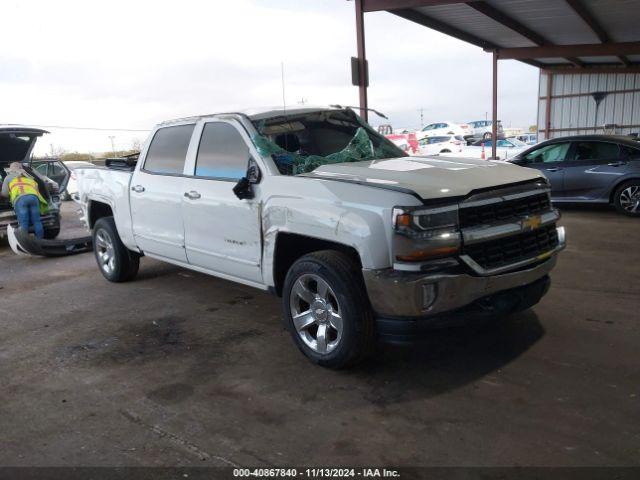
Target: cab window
{"points": [[168, 150], [548, 154], [222, 152]]}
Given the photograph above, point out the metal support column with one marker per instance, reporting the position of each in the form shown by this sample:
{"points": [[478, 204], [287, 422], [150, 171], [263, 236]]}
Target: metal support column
{"points": [[547, 108], [362, 66], [494, 107]]}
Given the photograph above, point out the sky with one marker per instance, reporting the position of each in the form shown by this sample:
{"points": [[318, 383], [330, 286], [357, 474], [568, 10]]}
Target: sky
{"points": [[131, 64]]}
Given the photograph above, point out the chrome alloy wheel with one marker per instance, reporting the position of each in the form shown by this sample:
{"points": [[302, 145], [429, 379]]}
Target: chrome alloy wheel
{"points": [[105, 252], [316, 313], [630, 199]]}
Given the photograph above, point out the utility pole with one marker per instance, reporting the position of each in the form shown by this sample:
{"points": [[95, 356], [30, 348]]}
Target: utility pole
{"points": [[113, 148]]}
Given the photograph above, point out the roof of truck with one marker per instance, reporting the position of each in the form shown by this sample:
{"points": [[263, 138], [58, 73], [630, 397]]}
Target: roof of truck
{"points": [[258, 113]]}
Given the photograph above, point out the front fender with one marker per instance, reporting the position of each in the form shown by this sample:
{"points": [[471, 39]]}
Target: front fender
{"points": [[363, 229]]}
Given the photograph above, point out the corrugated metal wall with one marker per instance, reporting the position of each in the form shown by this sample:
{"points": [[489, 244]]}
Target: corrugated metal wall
{"points": [[573, 108]]}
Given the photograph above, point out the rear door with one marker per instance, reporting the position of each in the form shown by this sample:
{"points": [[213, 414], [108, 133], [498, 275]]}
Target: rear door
{"points": [[156, 193], [550, 160], [222, 232], [59, 173], [592, 169]]}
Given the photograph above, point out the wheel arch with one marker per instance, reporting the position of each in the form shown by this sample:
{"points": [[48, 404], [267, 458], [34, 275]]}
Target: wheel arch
{"points": [[97, 210], [289, 247], [617, 185]]}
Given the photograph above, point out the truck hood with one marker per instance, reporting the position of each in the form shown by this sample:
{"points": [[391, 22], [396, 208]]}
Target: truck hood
{"points": [[429, 177], [16, 143]]}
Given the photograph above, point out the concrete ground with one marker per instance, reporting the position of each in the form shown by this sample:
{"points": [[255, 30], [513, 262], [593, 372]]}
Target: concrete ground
{"points": [[177, 368]]}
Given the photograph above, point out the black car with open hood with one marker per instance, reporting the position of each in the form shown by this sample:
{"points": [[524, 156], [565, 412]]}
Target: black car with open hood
{"points": [[16, 145]]}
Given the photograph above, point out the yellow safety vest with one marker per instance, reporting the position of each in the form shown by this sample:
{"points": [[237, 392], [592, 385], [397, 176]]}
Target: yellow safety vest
{"points": [[23, 185]]}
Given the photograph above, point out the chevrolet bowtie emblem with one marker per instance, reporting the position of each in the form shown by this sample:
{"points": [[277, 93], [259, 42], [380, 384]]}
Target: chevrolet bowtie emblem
{"points": [[531, 222]]}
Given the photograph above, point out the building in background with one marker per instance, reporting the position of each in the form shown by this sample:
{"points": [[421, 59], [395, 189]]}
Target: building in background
{"points": [[588, 103]]}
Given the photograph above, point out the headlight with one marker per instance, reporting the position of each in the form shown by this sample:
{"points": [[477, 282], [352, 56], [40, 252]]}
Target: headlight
{"points": [[425, 233]]}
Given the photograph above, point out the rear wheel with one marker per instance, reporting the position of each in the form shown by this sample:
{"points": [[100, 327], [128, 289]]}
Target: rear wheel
{"points": [[627, 198], [116, 262], [327, 310], [486, 136]]}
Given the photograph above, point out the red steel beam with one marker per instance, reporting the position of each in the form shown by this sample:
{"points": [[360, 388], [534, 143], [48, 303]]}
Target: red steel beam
{"points": [[594, 25], [390, 5], [362, 61], [588, 69], [494, 108], [439, 26], [584, 50], [547, 107], [511, 23]]}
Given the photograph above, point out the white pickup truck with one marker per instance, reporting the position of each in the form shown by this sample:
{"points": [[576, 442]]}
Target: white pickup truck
{"points": [[362, 242]]}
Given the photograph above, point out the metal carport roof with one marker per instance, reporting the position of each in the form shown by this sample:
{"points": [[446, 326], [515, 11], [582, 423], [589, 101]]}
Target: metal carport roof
{"points": [[575, 36]]}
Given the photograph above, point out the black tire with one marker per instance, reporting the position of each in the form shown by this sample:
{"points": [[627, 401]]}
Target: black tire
{"points": [[52, 232], [343, 275], [487, 136], [446, 150], [617, 197], [125, 263]]}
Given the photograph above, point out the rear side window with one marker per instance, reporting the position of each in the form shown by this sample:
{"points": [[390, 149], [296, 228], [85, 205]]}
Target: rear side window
{"points": [[222, 153], [630, 152], [168, 150], [596, 151]]}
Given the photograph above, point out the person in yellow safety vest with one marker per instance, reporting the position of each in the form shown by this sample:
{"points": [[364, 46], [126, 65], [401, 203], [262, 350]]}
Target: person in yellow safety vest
{"points": [[22, 190]]}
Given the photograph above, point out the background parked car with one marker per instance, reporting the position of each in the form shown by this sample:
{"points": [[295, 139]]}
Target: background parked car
{"points": [[528, 138], [482, 129], [506, 148], [442, 128], [589, 169], [406, 141], [444, 144]]}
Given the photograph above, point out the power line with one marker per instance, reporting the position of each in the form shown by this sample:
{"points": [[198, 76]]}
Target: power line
{"points": [[84, 128]]}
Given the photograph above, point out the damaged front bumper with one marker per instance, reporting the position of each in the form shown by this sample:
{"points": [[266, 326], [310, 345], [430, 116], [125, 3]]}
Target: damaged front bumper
{"points": [[24, 244], [405, 303]]}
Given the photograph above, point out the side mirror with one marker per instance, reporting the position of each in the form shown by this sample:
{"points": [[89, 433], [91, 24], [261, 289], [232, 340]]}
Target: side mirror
{"points": [[244, 188]]}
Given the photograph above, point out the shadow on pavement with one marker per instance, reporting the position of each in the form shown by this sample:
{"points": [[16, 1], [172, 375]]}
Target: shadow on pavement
{"points": [[448, 358]]}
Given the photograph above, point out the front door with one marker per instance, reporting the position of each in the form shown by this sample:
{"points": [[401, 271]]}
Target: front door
{"points": [[157, 191], [222, 232], [550, 161]]}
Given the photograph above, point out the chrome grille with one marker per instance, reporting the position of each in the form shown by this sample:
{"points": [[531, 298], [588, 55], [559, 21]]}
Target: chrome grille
{"points": [[496, 212], [509, 250]]}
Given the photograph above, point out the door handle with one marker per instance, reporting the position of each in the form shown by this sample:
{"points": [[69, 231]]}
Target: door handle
{"points": [[553, 169], [138, 188], [193, 195]]}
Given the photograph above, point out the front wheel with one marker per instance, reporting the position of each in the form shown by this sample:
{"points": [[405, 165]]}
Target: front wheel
{"points": [[116, 262], [627, 198], [327, 310]]}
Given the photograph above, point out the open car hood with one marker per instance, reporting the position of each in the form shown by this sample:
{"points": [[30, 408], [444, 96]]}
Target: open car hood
{"points": [[16, 143], [428, 177]]}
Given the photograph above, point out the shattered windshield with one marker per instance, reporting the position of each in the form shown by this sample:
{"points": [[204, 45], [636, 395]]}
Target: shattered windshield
{"points": [[301, 143]]}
